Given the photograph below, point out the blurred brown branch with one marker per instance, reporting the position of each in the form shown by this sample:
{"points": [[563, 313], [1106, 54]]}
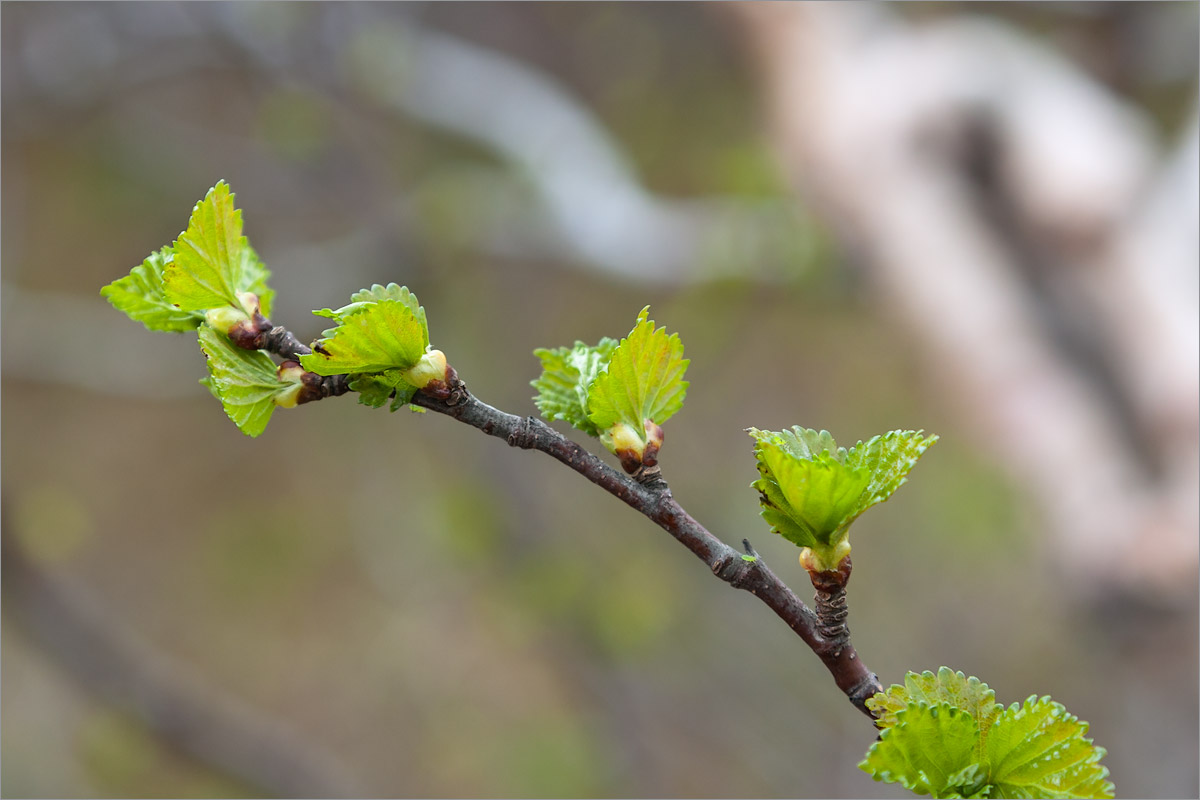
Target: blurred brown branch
{"points": [[218, 730]]}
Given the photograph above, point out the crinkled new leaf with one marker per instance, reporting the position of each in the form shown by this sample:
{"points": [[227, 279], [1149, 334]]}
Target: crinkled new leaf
{"points": [[375, 294], [1035, 749], [1038, 749], [643, 380], [245, 381], [926, 750], [567, 376], [811, 490], [371, 336], [947, 686], [140, 295], [213, 262], [375, 390]]}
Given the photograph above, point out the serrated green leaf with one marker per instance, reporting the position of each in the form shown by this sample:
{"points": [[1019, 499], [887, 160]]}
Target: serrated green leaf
{"points": [[888, 458], [254, 277], [805, 499], [1038, 749], [1035, 749], [375, 390], [375, 294], [807, 444], [811, 490], [245, 381], [374, 337], [213, 262], [643, 380], [947, 686], [208, 255], [927, 747], [567, 376], [141, 297]]}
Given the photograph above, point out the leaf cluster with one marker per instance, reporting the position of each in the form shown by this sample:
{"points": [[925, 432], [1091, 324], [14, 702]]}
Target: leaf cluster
{"points": [[208, 276], [944, 735], [612, 387], [379, 338], [811, 490]]}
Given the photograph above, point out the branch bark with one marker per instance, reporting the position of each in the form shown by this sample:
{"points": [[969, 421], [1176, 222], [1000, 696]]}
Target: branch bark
{"points": [[655, 501], [649, 496]]}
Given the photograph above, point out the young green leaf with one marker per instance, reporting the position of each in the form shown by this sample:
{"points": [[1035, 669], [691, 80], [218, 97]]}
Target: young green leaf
{"points": [[888, 458], [213, 262], [140, 295], [805, 499], [373, 337], [567, 376], [811, 490], [245, 381], [1038, 749], [643, 380], [375, 390], [376, 294], [254, 278], [947, 686], [928, 751]]}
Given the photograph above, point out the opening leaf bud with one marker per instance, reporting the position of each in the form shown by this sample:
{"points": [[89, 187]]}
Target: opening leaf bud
{"points": [[225, 318], [431, 367], [290, 371], [625, 442], [290, 397], [249, 301]]}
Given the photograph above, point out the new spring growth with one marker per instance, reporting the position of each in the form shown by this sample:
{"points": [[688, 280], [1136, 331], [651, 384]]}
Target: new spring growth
{"points": [[290, 372], [431, 367], [242, 325], [633, 449]]}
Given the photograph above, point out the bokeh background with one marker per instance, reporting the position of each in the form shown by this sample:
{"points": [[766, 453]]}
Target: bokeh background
{"points": [[977, 219]]}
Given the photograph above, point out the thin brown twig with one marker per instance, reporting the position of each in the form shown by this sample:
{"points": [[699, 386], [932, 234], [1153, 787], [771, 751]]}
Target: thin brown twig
{"points": [[652, 498]]}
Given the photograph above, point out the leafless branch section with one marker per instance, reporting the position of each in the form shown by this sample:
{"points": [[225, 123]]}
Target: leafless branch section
{"points": [[1011, 214]]}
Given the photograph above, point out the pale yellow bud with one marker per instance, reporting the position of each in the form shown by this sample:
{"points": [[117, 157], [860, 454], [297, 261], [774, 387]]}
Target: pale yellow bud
{"points": [[249, 301], [224, 319], [431, 367], [290, 397]]}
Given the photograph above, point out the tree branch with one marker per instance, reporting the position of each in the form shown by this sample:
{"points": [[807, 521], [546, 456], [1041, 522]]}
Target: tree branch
{"points": [[656, 502], [645, 492]]}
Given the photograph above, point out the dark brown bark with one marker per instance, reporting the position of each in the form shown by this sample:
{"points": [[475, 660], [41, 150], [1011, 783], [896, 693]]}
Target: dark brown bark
{"points": [[647, 492], [656, 502]]}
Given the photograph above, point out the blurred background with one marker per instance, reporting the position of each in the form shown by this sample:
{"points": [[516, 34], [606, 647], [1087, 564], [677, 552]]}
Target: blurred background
{"points": [[977, 219]]}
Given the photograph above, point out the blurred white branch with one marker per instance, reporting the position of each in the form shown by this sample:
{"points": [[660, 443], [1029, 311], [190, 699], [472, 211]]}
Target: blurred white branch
{"points": [[587, 205], [880, 119]]}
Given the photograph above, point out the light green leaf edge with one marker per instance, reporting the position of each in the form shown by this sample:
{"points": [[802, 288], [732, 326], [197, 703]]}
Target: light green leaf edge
{"points": [[389, 322], [375, 390], [926, 751], [212, 261], [375, 294], [370, 338], [643, 379], [1039, 749], [946, 686], [245, 381], [1035, 749], [811, 490], [140, 296], [567, 376]]}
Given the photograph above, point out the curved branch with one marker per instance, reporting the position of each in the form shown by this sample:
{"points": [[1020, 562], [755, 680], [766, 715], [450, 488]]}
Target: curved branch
{"points": [[651, 498], [656, 503]]}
